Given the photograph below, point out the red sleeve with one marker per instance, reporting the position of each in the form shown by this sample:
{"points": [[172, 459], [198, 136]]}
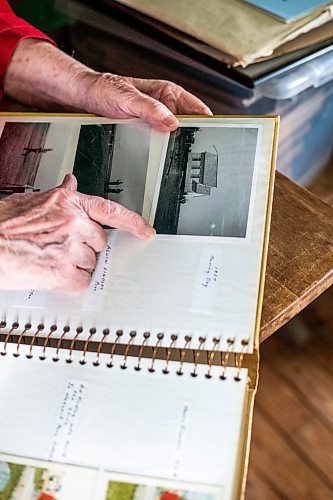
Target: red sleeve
{"points": [[12, 30]]}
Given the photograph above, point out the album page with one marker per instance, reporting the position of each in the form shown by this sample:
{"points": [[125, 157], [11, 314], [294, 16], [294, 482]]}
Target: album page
{"points": [[144, 422], [206, 188]]}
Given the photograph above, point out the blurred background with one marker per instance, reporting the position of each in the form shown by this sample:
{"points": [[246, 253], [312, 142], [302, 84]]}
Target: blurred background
{"points": [[292, 444]]}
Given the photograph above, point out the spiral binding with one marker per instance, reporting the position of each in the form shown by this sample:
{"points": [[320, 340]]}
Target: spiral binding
{"points": [[79, 330], [146, 336], [188, 339], [53, 328], [239, 359], [225, 358], [65, 330], [129, 343], [106, 332], [27, 327], [33, 340], [216, 342], [92, 332], [202, 341], [119, 334], [160, 337], [14, 327], [170, 349], [169, 352]]}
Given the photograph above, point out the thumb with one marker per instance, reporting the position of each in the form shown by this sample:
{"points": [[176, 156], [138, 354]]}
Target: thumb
{"points": [[69, 182], [152, 111]]}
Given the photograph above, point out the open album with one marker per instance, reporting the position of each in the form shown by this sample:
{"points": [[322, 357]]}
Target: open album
{"points": [[141, 386]]}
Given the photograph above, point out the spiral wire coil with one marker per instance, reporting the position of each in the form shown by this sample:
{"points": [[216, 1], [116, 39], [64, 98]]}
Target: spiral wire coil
{"points": [[170, 349]]}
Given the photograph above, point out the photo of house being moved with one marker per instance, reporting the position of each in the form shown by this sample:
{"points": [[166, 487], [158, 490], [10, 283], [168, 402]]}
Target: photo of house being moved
{"points": [[201, 173], [207, 182]]}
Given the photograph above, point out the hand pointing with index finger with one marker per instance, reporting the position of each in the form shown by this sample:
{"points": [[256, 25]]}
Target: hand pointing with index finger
{"points": [[49, 240], [110, 213]]}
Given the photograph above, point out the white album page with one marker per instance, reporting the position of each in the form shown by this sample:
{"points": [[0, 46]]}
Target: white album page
{"points": [[205, 189]]}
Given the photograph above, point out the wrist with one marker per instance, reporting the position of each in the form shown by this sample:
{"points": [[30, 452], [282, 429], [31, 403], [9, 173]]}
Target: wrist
{"points": [[60, 80], [83, 86]]}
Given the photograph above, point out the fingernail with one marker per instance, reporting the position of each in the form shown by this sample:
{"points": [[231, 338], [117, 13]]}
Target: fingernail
{"points": [[149, 232], [170, 121], [208, 111]]}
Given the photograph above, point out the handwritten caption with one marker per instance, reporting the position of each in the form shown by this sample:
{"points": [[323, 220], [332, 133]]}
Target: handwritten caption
{"points": [[30, 298], [67, 418], [207, 278], [180, 443], [100, 272], [211, 272], [94, 296]]}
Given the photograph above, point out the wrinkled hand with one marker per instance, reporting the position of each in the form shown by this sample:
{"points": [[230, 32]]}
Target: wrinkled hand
{"points": [[62, 83], [156, 101], [49, 240]]}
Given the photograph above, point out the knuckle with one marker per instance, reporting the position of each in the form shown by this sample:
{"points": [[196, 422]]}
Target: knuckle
{"points": [[158, 106], [136, 219], [59, 194], [172, 88], [115, 209], [121, 213], [117, 82], [70, 222]]}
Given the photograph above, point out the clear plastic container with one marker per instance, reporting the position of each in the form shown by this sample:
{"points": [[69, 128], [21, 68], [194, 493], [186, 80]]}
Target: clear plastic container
{"points": [[303, 97]]}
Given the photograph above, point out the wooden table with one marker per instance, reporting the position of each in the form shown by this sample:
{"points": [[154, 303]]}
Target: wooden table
{"points": [[300, 256]]}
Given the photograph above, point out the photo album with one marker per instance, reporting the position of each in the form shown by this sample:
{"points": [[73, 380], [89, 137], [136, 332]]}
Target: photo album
{"points": [[142, 385]]}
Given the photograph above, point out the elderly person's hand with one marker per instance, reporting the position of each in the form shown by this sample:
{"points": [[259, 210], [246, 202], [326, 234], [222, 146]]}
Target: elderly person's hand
{"points": [[49, 240], [41, 75]]}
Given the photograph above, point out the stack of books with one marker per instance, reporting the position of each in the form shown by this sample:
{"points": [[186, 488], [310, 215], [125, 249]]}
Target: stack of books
{"points": [[259, 35]]}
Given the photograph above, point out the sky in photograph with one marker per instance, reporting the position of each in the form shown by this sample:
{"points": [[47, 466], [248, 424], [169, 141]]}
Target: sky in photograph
{"points": [[227, 206], [51, 162]]}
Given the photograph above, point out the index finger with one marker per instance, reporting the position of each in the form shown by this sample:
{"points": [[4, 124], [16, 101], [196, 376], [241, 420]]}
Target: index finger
{"points": [[112, 214]]}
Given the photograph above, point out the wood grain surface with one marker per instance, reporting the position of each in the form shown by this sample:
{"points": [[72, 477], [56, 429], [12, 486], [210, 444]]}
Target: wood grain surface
{"points": [[292, 439], [300, 255]]}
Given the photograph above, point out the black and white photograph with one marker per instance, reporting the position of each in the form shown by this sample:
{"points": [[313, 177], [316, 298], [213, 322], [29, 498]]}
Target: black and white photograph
{"points": [[31, 156], [112, 160], [207, 180]]}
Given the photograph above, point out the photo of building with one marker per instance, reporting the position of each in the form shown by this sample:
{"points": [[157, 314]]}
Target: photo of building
{"points": [[201, 173], [206, 183]]}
